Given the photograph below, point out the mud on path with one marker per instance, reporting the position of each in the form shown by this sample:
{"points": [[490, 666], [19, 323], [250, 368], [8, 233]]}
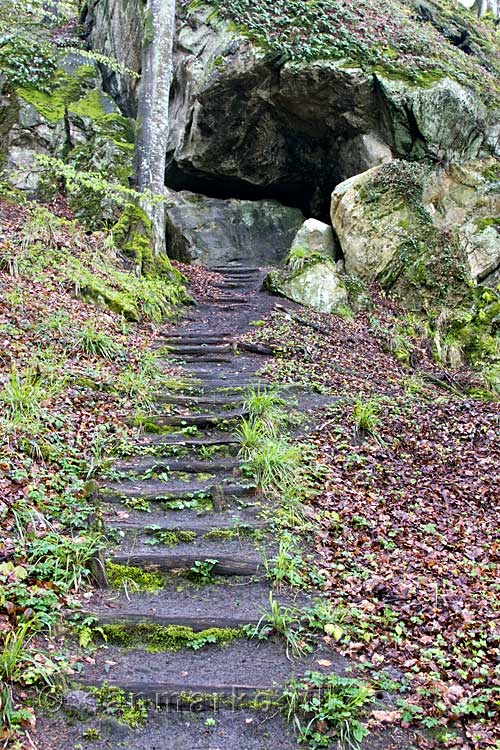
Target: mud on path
{"points": [[220, 696]]}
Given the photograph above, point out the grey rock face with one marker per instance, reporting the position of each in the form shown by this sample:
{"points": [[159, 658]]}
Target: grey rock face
{"points": [[245, 125], [214, 231]]}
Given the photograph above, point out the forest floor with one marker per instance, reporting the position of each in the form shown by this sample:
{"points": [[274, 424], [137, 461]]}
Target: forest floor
{"points": [[400, 500]]}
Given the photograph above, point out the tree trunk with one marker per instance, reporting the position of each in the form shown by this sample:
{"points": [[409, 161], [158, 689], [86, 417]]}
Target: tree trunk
{"points": [[152, 111], [486, 6]]}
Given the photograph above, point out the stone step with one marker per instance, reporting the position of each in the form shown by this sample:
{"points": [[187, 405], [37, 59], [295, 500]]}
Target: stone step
{"points": [[177, 727], [249, 270], [203, 358], [184, 441], [241, 671], [144, 464], [200, 348], [221, 400], [213, 606], [119, 517], [195, 420], [156, 491]]}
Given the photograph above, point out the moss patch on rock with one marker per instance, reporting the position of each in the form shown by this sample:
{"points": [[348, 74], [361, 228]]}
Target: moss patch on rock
{"points": [[429, 268], [65, 90], [387, 36]]}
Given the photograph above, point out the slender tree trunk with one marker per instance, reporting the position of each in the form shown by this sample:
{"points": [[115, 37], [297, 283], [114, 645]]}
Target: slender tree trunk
{"points": [[486, 6], [152, 111]]}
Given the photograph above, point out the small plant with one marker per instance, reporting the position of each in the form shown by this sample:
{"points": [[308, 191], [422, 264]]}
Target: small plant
{"points": [[366, 416], [202, 571], [299, 257], [284, 621], [273, 463], [96, 343], [324, 707], [266, 405], [250, 433], [23, 394]]}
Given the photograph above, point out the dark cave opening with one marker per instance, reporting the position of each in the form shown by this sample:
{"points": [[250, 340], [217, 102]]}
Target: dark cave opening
{"points": [[311, 197]]}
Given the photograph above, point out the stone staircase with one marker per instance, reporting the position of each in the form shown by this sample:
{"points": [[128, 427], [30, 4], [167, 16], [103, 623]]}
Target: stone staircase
{"points": [[183, 505]]}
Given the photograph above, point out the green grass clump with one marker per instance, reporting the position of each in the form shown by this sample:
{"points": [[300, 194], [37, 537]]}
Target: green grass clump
{"points": [[160, 638], [95, 342], [23, 394]]}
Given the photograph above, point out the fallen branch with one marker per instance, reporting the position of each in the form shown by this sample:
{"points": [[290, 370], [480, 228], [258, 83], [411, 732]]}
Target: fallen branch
{"points": [[297, 319]]}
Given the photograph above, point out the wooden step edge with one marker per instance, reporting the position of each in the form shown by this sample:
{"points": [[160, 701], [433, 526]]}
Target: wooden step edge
{"points": [[193, 621], [197, 697], [227, 565]]}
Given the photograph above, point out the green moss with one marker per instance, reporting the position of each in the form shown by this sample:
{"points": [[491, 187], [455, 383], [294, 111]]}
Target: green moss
{"points": [[171, 538], [89, 105], [234, 533], [135, 578], [485, 223], [430, 267], [133, 235], [65, 89], [160, 638]]}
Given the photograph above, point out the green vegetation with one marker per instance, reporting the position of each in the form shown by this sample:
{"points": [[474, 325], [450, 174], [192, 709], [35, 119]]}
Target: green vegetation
{"points": [[170, 537], [430, 268], [333, 703], [160, 638], [133, 578], [54, 245], [366, 416], [124, 707], [202, 571], [300, 257]]}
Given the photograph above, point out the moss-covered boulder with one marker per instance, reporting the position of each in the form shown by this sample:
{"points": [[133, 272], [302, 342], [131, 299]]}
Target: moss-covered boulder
{"points": [[315, 236], [424, 233], [315, 284]]}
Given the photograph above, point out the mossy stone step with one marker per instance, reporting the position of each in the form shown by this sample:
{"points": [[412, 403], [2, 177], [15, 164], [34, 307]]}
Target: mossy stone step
{"points": [[154, 490], [181, 440], [144, 464], [244, 671], [117, 516], [211, 606], [233, 400], [193, 420], [201, 348]]}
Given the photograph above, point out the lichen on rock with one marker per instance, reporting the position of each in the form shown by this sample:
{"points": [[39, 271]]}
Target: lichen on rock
{"points": [[414, 228]]}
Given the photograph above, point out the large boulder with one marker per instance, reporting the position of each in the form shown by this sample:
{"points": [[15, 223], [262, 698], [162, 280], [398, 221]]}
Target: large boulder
{"points": [[316, 285], [214, 231], [424, 233], [247, 123]]}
